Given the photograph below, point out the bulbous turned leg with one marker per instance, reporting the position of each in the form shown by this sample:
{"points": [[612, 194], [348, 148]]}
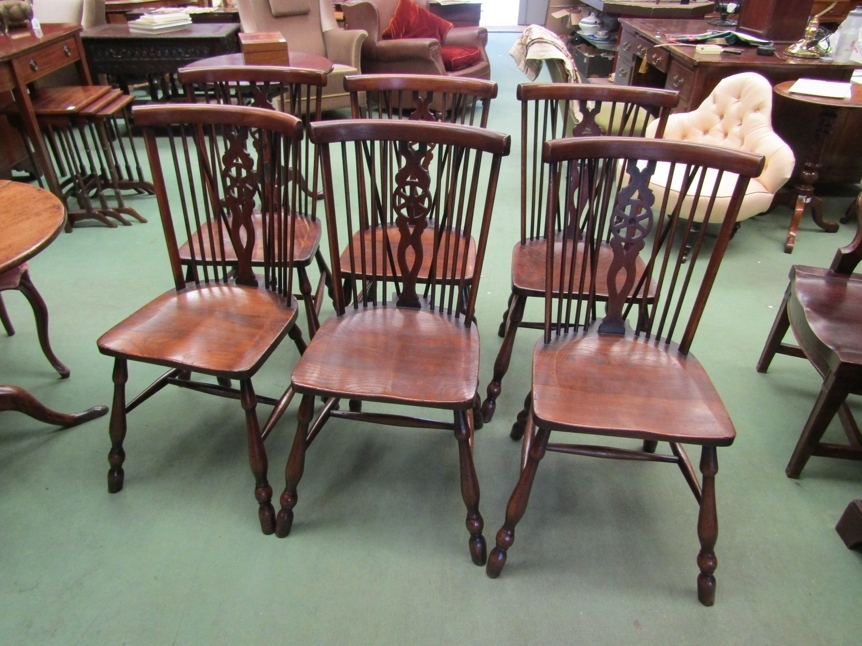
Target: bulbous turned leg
{"points": [[257, 459], [504, 357], [117, 427], [470, 489], [501, 331], [707, 528], [518, 502], [40, 311], [295, 467], [520, 424]]}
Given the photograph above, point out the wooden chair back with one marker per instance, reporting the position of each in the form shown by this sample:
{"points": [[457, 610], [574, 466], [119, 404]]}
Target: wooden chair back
{"points": [[221, 174], [421, 97], [389, 184], [554, 110], [585, 189]]}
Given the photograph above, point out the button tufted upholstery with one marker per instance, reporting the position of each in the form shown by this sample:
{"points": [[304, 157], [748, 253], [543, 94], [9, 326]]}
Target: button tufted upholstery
{"points": [[737, 115]]}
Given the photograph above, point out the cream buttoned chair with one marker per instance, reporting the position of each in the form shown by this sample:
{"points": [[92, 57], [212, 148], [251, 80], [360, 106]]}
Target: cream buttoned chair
{"points": [[737, 115]]}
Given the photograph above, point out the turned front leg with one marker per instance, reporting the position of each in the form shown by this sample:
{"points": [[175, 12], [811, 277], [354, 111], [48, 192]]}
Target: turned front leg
{"points": [[707, 527], [117, 427], [470, 488], [295, 467], [257, 459], [520, 496]]}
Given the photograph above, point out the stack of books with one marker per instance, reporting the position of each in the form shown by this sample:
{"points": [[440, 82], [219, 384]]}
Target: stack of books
{"points": [[160, 22]]}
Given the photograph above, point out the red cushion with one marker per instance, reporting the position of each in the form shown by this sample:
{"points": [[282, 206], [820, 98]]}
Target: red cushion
{"points": [[457, 58], [412, 21]]}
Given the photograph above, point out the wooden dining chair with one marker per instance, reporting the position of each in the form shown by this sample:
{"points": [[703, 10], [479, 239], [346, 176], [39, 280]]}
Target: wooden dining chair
{"points": [[225, 164], [417, 97], [18, 278], [551, 111], [292, 91], [401, 341], [421, 97], [823, 308], [630, 375]]}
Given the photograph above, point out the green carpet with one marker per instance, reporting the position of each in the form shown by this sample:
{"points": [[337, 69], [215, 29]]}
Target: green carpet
{"points": [[378, 554]]}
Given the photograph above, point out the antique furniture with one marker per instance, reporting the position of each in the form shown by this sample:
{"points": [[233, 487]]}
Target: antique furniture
{"points": [[459, 51], [24, 58], [551, 111], [225, 165], [300, 60], [651, 8], [30, 219], [381, 347], [647, 57], [736, 115], [217, 14], [823, 308], [460, 14], [116, 10], [117, 51], [292, 91], [309, 26], [421, 97], [80, 124], [629, 375], [802, 195]]}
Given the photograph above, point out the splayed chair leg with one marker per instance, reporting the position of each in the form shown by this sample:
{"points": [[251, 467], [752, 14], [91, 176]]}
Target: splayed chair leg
{"points": [[470, 489], [518, 502], [295, 467]]}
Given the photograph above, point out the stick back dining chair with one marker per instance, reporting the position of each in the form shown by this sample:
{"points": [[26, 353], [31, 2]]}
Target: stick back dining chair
{"points": [[629, 375], [292, 91], [398, 340], [220, 167], [551, 111]]}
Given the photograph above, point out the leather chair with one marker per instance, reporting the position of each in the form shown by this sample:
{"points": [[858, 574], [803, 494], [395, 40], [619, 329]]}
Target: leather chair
{"points": [[410, 55], [309, 26], [736, 115]]}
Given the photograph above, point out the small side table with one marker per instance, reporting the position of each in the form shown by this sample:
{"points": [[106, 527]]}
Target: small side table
{"points": [[30, 219], [803, 193]]}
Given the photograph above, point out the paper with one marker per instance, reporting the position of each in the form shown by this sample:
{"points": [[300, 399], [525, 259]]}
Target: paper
{"points": [[826, 89]]}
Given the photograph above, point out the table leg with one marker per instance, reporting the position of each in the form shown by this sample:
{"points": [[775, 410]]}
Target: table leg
{"points": [[804, 189], [18, 399]]}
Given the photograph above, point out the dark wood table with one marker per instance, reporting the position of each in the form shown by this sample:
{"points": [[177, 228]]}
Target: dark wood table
{"points": [[116, 10], [30, 219], [803, 192], [24, 58], [218, 14], [117, 51], [679, 67], [301, 60]]}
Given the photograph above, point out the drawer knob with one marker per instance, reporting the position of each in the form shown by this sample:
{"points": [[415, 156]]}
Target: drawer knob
{"points": [[627, 47], [677, 81], [67, 51], [641, 50], [34, 65]]}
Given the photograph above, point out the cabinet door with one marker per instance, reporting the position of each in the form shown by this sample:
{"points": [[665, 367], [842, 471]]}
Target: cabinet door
{"points": [[681, 79]]}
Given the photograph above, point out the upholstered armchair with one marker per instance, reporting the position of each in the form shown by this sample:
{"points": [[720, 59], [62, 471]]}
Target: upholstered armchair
{"points": [[738, 115], [415, 55], [309, 26]]}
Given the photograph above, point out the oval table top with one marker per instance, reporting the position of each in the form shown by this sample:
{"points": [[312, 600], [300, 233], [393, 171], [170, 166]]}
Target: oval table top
{"points": [[30, 219], [855, 100], [301, 60]]}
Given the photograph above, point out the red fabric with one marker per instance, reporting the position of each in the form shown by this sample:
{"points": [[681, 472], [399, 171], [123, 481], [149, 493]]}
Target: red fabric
{"points": [[457, 58], [412, 21]]}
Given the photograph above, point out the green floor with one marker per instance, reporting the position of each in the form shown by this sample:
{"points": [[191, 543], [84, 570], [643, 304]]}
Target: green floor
{"points": [[378, 553]]}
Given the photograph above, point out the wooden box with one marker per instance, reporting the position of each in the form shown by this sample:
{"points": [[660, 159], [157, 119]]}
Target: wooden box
{"points": [[264, 48], [775, 19]]}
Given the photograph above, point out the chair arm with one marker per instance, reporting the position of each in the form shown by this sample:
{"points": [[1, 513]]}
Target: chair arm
{"points": [[344, 46], [466, 37], [402, 49], [363, 15]]}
